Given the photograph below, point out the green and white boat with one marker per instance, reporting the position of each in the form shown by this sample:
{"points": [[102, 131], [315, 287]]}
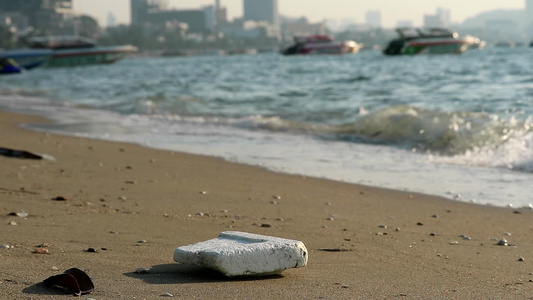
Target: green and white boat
{"points": [[431, 41], [70, 51]]}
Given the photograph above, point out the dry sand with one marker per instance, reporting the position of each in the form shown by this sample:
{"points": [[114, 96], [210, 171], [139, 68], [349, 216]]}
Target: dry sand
{"points": [[119, 194]]}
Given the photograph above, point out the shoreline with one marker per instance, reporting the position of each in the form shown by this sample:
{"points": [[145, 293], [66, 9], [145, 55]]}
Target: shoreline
{"points": [[398, 244]]}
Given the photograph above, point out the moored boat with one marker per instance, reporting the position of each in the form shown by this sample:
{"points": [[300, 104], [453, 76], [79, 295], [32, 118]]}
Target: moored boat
{"points": [[320, 44], [28, 58], [68, 51], [432, 41], [9, 66]]}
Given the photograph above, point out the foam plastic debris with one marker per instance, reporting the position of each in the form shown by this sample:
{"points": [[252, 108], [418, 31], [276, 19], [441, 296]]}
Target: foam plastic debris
{"points": [[236, 253]]}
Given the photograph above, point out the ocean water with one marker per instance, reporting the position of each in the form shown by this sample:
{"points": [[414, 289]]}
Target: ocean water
{"points": [[457, 126]]}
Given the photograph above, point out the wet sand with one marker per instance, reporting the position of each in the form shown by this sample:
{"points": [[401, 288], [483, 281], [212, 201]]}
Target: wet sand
{"points": [[392, 244]]}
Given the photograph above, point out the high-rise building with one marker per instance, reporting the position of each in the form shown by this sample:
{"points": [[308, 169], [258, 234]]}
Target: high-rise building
{"points": [[529, 11], [156, 12], [54, 16], [141, 8], [529, 17], [440, 19], [261, 10], [373, 19], [111, 20]]}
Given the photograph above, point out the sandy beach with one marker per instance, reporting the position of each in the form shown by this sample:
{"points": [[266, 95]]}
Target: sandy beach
{"points": [[135, 205]]}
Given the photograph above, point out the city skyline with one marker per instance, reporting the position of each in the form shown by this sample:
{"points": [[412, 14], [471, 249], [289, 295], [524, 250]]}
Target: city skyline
{"points": [[318, 10]]}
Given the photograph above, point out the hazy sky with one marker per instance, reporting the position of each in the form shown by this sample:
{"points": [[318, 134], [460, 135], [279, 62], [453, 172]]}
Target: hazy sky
{"points": [[317, 10]]}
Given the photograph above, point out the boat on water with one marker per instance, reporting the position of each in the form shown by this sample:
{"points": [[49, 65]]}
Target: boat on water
{"points": [[68, 51], [28, 58], [9, 66], [413, 41], [320, 44]]}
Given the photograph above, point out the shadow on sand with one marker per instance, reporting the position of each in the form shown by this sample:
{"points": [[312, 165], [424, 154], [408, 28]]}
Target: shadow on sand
{"points": [[179, 273], [41, 289]]}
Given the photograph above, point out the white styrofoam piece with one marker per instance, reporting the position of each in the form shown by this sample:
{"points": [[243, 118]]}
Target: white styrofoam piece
{"points": [[236, 253]]}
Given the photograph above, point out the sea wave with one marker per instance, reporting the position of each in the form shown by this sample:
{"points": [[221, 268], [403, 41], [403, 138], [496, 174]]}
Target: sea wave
{"points": [[443, 133], [465, 138]]}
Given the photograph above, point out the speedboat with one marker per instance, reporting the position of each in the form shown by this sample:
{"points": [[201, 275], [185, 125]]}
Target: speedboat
{"points": [[9, 66], [68, 51], [28, 58], [431, 41], [320, 44]]}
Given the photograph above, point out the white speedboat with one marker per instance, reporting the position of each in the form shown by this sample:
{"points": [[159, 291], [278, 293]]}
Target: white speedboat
{"points": [[320, 44], [431, 41]]}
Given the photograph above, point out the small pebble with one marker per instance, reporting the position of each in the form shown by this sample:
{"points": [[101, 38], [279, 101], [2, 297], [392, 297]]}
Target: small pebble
{"points": [[266, 225], [22, 214], [201, 214], [432, 234], [4, 247], [12, 223], [502, 242], [454, 243], [91, 250], [142, 242], [521, 259], [276, 197], [113, 232], [41, 251], [54, 268], [273, 202], [330, 219], [508, 233], [166, 295], [435, 216], [420, 224], [203, 192], [383, 226], [142, 270], [122, 198]]}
